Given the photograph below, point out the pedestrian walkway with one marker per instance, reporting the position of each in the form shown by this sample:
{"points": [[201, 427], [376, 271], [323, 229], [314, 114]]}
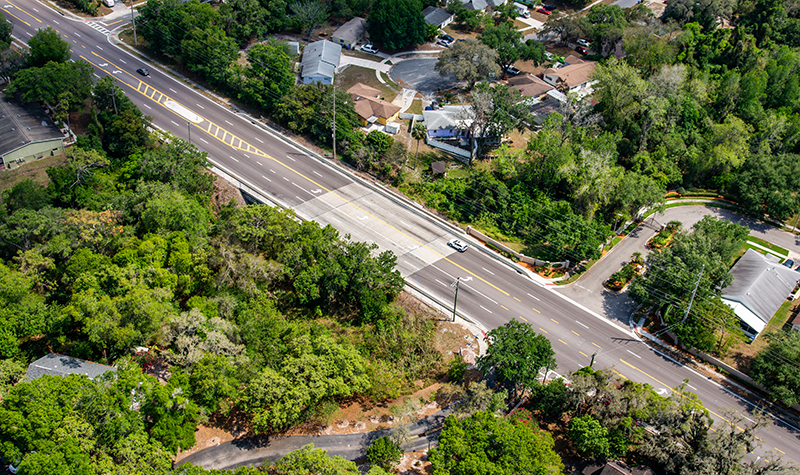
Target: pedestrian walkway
{"points": [[98, 27]]}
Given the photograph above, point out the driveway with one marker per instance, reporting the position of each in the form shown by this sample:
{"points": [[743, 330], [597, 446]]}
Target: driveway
{"points": [[364, 63], [589, 290], [418, 74]]}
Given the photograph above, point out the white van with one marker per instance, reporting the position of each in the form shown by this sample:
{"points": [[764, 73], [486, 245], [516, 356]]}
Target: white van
{"points": [[109, 3], [523, 10]]}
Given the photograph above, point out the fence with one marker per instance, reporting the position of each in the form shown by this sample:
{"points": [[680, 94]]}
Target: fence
{"points": [[459, 153], [414, 117], [520, 257]]}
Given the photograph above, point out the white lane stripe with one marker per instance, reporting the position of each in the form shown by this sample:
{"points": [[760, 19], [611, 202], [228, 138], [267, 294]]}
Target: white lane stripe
{"points": [[285, 178], [581, 324], [487, 270], [290, 158], [295, 184], [234, 159], [198, 105], [101, 49], [147, 106], [259, 140], [262, 176], [273, 171], [259, 163], [246, 155], [410, 265], [315, 173], [226, 120], [634, 354], [176, 124], [122, 61], [437, 280], [479, 293], [301, 199], [173, 90], [481, 306], [204, 140], [531, 296]]}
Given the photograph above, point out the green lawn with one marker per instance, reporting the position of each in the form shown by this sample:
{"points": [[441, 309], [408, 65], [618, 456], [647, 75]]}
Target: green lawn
{"points": [[769, 245]]}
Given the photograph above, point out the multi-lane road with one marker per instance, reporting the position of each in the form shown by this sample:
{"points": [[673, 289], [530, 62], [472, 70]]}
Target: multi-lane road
{"points": [[491, 291]]}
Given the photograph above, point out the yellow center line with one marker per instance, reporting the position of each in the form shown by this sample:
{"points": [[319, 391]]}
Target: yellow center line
{"points": [[562, 341], [781, 451], [523, 318], [584, 354], [26, 12], [114, 23], [536, 310], [573, 331], [554, 321], [518, 300], [333, 193], [504, 306], [619, 374], [82, 46], [15, 16], [595, 344], [674, 391], [542, 330]]}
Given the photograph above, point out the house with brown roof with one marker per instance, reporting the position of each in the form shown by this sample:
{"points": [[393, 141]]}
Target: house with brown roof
{"points": [[529, 85], [370, 107], [574, 77]]}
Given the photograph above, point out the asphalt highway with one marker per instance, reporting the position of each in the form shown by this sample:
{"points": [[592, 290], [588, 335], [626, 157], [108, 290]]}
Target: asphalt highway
{"points": [[491, 292]]}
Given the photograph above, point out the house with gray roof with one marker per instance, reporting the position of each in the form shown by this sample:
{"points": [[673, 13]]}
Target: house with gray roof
{"points": [[351, 33], [475, 4], [26, 134], [60, 365], [320, 60], [449, 121], [437, 16], [760, 286]]}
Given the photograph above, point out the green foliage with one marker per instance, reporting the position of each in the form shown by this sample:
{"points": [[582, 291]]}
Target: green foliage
{"points": [[517, 354], [507, 41], [45, 46], [310, 461], [48, 82], [457, 369], [308, 14], [5, 32], [589, 437], [770, 367], [485, 444], [384, 452], [397, 24], [468, 60]]}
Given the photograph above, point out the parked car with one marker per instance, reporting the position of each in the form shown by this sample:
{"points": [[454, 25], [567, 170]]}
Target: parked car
{"points": [[549, 56], [143, 71], [447, 37], [457, 245], [444, 42], [584, 43], [513, 71], [543, 10], [788, 263], [549, 7], [369, 48], [581, 50]]}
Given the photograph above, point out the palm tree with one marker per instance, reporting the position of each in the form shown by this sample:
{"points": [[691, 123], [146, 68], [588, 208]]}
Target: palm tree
{"points": [[418, 132]]}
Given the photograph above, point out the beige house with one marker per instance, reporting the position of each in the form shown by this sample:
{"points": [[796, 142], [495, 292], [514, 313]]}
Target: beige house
{"points": [[530, 85], [575, 77], [370, 107], [26, 134]]}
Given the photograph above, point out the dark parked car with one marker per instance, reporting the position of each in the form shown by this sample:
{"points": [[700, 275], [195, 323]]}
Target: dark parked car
{"points": [[788, 263], [447, 37], [581, 50], [549, 7], [143, 71]]}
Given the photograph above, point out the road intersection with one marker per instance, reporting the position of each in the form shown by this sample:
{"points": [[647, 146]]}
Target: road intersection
{"points": [[289, 175]]}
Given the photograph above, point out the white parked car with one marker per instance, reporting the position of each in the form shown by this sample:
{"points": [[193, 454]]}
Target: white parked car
{"points": [[457, 245], [584, 43], [370, 48], [512, 71]]}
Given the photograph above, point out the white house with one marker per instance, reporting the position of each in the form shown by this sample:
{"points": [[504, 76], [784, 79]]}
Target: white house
{"points": [[760, 286], [320, 60], [574, 77]]}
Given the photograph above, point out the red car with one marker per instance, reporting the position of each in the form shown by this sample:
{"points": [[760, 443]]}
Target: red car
{"points": [[581, 50], [543, 10]]}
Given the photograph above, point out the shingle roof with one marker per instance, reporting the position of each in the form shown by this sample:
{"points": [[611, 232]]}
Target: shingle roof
{"points": [[573, 74], [760, 284], [21, 124], [368, 104], [474, 4], [436, 16], [448, 117], [352, 31], [529, 85], [60, 365], [321, 58]]}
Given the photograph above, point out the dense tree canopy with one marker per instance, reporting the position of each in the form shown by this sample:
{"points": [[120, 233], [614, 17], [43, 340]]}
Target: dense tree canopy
{"points": [[397, 24]]}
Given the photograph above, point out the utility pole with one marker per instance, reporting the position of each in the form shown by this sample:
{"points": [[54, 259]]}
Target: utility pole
{"points": [[795, 221], [133, 22], [334, 121], [189, 128], [455, 301], [694, 292]]}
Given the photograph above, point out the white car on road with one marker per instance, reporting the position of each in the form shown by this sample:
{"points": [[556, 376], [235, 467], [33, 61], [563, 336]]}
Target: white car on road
{"points": [[457, 245]]}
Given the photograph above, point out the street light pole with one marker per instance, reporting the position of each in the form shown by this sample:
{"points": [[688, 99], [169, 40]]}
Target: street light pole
{"points": [[455, 300], [133, 22], [189, 128]]}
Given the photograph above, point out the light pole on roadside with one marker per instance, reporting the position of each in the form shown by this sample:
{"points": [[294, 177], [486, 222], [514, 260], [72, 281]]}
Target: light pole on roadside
{"points": [[455, 300], [133, 22]]}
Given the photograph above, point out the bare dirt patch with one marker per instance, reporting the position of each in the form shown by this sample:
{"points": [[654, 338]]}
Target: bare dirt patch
{"points": [[36, 171]]}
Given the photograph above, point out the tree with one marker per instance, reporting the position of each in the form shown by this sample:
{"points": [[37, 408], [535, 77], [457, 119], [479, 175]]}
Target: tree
{"points": [[517, 354], [269, 75], [253, 18], [308, 14], [178, 163], [468, 60], [479, 397], [619, 90], [418, 132], [397, 24], [565, 27], [506, 40], [47, 83], [310, 461], [589, 437], [776, 368], [483, 444], [384, 452], [45, 46], [495, 111], [5, 32]]}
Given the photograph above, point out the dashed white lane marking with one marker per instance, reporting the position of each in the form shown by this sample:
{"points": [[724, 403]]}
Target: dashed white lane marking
{"points": [[295, 184], [122, 61], [204, 140], [198, 105], [176, 124], [581, 324], [147, 106], [234, 159], [259, 164], [487, 270], [77, 35], [437, 280], [246, 155], [690, 386], [273, 171], [531, 296], [259, 140], [290, 158], [481, 306], [479, 293], [229, 123], [301, 199], [29, 34], [634, 354], [285, 178], [100, 48], [262, 176], [315, 173], [173, 90]]}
